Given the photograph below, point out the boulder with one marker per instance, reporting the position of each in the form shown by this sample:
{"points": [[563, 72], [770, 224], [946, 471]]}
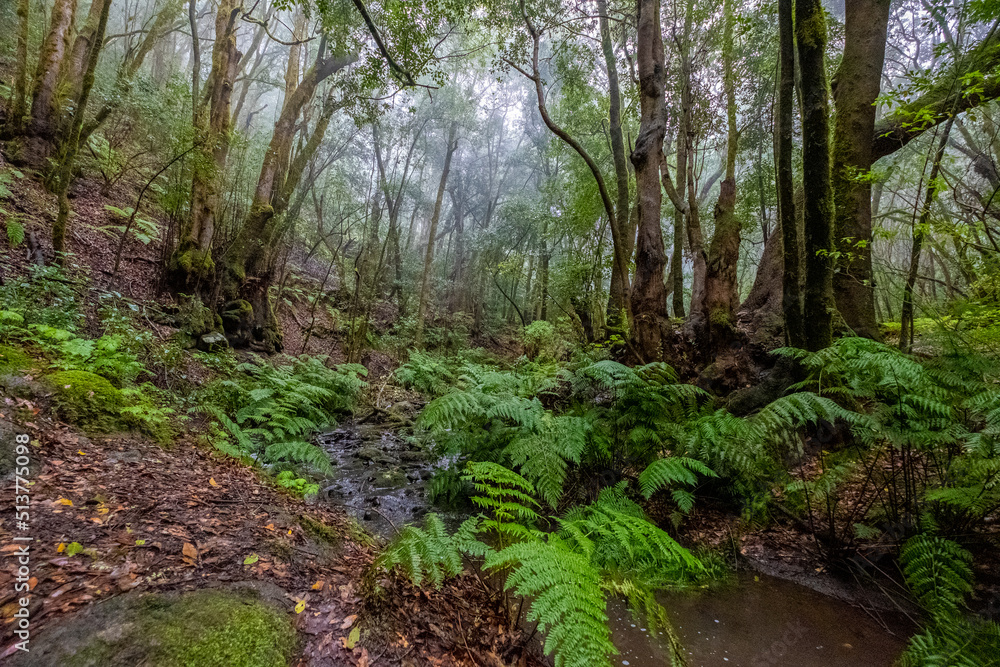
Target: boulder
{"points": [[212, 342]]}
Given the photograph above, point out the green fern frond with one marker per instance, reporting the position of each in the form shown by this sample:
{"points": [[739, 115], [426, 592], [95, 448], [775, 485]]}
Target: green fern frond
{"points": [[672, 470]]}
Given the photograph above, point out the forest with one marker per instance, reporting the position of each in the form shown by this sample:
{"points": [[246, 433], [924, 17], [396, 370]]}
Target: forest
{"points": [[500, 332]]}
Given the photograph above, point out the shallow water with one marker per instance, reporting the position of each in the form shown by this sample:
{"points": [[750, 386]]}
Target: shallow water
{"points": [[761, 621], [758, 621]]}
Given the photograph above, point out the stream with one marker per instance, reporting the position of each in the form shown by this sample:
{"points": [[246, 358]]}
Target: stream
{"points": [[755, 622]]}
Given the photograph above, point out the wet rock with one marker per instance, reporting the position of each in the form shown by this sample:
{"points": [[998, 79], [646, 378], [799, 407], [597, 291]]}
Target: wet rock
{"points": [[375, 455], [390, 479], [413, 457]]}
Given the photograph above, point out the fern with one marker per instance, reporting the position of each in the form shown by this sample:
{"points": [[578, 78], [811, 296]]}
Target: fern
{"points": [[15, 232], [566, 596], [427, 552], [939, 573]]}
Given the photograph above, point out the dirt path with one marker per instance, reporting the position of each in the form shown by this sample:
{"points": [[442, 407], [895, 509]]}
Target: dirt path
{"points": [[136, 516]]}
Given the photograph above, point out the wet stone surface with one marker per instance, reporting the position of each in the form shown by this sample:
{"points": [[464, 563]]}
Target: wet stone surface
{"points": [[381, 476]]}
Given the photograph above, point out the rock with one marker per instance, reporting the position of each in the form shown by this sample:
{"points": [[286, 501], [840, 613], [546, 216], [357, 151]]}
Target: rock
{"points": [[390, 479], [212, 342], [413, 457], [376, 455], [206, 627], [87, 400]]}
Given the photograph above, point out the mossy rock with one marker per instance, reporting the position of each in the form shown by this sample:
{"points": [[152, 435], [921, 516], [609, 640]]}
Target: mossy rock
{"points": [[87, 400], [13, 359], [207, 628]]}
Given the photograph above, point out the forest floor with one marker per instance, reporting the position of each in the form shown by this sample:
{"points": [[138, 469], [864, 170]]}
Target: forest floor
{"points": [[148, 518]]}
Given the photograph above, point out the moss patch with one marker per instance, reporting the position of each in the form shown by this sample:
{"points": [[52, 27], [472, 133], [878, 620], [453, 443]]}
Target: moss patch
{"points": [[87, 400], [200, 629], [13, 359]]}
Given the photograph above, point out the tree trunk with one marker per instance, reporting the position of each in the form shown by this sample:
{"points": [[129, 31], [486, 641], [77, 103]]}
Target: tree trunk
{"points": [[425, 281], [717, 309], [649, 297], [818, 309], [856, 86], [192, 266], [71, 143], [46, 101], [677, 261], [791, 284], [76, 66], [20, 102], [618, 293]]}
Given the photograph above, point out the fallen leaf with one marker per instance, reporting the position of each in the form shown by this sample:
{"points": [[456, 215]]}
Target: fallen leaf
{"points": [[251, 559], [300, 606], [140, 543], [190, 551], [211, 480], [353, 638], [269, 526], [61, 548], [81, 452], [349, 621], [318, 586], [65, 501], [363, 660]]}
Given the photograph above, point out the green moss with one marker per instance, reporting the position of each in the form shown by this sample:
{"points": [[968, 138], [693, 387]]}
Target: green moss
{"points": [[201, 629], [319, 531], [87, 400], [194, 263], [13, 359]]}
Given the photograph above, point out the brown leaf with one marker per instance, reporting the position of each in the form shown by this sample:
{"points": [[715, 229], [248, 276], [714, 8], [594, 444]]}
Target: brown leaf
{"points": [[190, 552], [349, 621]]}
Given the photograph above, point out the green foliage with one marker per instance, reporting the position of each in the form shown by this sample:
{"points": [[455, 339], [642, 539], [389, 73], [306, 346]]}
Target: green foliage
{"points": [[87, 400], [428, 552], [287, 480], [609, 546], [48, 295], [939, 572], [15, 232], [540, 340], [425, 373], [143, 230], [272, 410]]}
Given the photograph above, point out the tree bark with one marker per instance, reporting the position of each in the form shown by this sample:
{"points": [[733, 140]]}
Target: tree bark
{"points": [[649, 297], [677, 260], [791, 283], [192, 265], [818, 309], [71, 144], [20, 102], [856, 86], [425, 281], [618, 292], [717, 309], [46, 101]]}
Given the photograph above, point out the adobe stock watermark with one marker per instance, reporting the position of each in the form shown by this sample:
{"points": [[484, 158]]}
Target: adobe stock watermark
{"points": [[20, 554], [794, 632]]}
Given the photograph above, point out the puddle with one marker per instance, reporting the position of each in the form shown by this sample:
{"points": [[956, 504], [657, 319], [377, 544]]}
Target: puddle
{"points": [[760, 621]]}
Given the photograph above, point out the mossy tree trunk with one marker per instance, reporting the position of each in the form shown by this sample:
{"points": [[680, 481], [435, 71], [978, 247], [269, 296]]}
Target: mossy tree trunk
{"points": [[856, 86], [649, 295], [70, 144], [677, 259], [192, 266], [250, 261], [818, 307], [791, 282], [46, 103], [621, 222], [19, 103], [425, 281], [716, 310]]}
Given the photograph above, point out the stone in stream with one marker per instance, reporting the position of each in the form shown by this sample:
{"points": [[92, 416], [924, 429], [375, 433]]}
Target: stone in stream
{"points": [[375, 455], [390, 479]]}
